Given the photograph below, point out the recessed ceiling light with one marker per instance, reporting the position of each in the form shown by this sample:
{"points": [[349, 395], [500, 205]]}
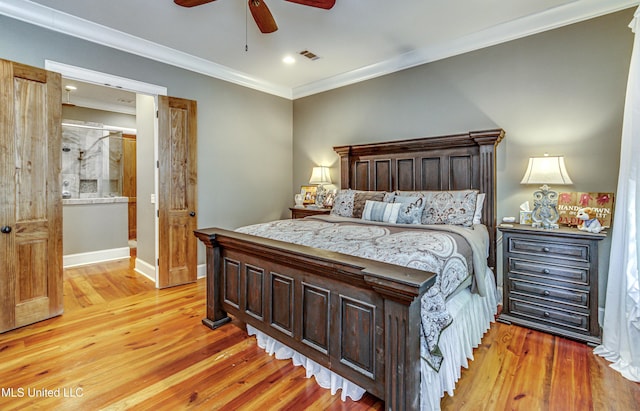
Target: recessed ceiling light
{"points": [[288, 60]]}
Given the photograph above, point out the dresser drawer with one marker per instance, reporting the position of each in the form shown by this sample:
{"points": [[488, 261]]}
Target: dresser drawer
{"points": [[572, 252], [543, 271], [576, 298], [573, 320]]}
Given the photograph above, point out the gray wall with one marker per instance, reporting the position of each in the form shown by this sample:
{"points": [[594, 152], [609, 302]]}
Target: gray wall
{"points": [[244, 136], [560, 92], [94, 227]]}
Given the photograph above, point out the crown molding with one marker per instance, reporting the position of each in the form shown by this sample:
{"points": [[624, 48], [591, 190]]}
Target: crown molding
{"points": [[550, 19], [573, 12], [58, 21]]}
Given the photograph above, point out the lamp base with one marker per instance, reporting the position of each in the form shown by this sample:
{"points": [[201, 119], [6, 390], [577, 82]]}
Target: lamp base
{"points": [[545, 213], [320, 196]]}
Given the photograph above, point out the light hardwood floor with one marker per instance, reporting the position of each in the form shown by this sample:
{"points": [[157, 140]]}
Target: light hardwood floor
{"points": [[122, 344]]}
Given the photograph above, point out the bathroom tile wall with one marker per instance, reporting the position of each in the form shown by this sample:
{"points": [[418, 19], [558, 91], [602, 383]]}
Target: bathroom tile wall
{"points": [[91, 161]]}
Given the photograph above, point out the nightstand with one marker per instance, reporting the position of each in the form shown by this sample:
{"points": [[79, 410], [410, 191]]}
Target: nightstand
{"points": [[300, 212], [551, 281]]}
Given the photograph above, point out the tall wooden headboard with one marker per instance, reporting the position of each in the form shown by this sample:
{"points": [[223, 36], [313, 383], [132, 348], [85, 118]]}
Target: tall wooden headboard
{"points": [[452, 162]]}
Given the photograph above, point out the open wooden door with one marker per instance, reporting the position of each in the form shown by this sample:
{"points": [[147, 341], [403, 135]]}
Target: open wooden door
{"points": [[30, 195], [177, 191], [129, 181]]}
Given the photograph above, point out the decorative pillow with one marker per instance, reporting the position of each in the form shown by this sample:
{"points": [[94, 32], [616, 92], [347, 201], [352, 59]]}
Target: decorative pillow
{"points": [[411, 209], [343, 203], [361, 197], [477, 216], [388, 197], [380, 211], [446, 207], [350, 203]]}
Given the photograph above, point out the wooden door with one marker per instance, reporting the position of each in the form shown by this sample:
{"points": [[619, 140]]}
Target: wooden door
{"points": [[177, 191], [129, 183], [30, 195]]}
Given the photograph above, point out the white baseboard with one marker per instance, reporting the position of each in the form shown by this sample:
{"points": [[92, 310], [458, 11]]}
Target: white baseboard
{"points": [[74, 260], [145, 269], [149, 271]]}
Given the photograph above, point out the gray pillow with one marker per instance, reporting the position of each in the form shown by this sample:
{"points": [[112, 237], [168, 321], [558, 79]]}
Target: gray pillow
{"points": [[411, 209]]}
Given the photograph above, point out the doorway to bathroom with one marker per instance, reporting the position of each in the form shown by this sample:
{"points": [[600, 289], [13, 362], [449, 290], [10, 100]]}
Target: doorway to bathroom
{"points": [[127, 112], [98, 173]]}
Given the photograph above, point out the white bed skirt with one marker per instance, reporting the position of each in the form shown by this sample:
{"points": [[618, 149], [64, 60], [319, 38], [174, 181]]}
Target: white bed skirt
{"points": [[472, 318]]}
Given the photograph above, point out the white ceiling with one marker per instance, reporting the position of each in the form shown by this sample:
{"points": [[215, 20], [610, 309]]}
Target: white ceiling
{"points": [[356, 40]]}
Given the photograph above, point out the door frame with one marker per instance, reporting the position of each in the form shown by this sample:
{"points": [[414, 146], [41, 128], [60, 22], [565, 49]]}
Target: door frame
{"points": [[138, 87]]}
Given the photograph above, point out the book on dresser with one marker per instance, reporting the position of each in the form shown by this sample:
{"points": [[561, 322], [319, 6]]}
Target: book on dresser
{"points": [[551, 281]]}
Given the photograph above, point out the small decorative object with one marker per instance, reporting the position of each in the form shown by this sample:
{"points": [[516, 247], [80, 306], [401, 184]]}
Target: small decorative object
{"points": [[299, 200], [589, 220], [525, 217], [546, 170], [320, 176], [525, 214], [308, 194], [597, 205], [329, 199], [569, 203]]}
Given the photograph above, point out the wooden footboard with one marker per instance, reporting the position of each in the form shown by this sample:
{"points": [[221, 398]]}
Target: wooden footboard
{"points": [[356, 317]]}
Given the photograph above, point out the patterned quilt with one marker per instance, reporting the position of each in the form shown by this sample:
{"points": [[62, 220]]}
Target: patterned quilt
{"points": [[448, 251]]}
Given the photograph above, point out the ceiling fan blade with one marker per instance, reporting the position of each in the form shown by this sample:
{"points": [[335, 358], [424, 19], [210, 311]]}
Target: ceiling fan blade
{"points": [[263, 17], [321, 4], [191, 3]]}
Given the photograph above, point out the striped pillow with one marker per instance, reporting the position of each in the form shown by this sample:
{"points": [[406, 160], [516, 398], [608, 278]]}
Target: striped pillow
{"points": [[381, 211]]}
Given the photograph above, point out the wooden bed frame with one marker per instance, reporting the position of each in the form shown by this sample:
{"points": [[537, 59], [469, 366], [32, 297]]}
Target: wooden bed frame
{"points": [[357, 317]]}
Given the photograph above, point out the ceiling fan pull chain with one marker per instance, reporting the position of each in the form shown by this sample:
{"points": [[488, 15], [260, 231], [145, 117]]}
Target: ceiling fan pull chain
{"points": [[246, 37]]}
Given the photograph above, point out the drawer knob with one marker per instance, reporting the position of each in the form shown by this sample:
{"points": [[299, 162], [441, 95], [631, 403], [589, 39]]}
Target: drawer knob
{"points": [[545, 249], [546, 292], [546, 314], [546, 271]]}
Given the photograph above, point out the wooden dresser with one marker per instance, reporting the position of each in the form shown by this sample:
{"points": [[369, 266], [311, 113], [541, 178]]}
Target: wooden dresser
{"points": [[302, 212], [551, 281]]}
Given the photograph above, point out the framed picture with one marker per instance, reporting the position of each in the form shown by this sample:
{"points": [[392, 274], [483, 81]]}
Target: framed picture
{"points": [[308, 194], [570, 202], [329, 199]]}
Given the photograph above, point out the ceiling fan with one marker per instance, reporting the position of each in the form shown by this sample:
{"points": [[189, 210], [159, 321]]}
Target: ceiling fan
{"points": [[260, 12]]}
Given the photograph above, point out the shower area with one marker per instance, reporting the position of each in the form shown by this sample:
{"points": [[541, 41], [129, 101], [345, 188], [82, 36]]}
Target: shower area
{"points": [[92, 164], [95, 212]]}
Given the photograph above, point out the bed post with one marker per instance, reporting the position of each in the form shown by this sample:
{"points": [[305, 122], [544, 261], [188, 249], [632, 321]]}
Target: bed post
{"points": [[345, 166], [487, 142], [216, 316], [402, 354]]}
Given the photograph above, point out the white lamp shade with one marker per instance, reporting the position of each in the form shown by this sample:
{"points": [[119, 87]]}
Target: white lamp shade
{"points": [[320, 175], [546, 170]]}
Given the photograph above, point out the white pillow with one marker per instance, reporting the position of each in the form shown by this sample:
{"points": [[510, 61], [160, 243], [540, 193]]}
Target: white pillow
{"points": [[477, 215], [381, 211]]}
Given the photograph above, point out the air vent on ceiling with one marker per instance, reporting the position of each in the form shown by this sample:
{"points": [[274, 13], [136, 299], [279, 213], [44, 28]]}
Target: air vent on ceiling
{"points": [[309, 55]]}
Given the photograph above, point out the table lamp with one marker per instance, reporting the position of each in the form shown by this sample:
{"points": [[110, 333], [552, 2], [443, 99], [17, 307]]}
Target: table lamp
{"points": [[320, 176], [546, 170]]}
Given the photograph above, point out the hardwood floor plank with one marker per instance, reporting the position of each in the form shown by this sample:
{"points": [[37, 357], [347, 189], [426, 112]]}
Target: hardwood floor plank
{"points": [[122, 344]]}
